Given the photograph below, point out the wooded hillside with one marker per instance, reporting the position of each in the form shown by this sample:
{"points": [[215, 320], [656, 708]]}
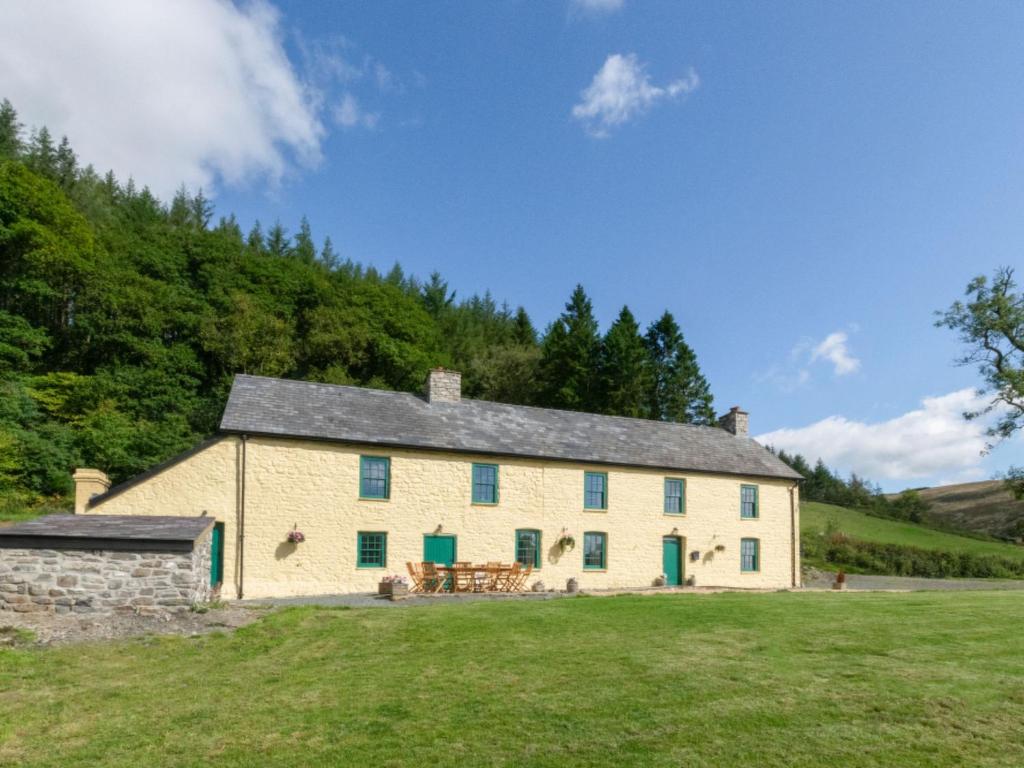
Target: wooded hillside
{"points": [[123, 320]]}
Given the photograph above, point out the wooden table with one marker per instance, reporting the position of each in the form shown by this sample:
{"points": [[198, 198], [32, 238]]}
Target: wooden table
{"points": [[464, 578]]}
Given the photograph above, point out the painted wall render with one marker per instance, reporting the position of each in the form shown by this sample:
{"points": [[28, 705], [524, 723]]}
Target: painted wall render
{"points": [[314, 486]]}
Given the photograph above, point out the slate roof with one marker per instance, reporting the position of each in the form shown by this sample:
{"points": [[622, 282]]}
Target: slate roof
{"points": [[150, 533], [279, 407]]}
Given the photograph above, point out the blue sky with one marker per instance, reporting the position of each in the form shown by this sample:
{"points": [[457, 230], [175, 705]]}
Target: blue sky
{"points": [[801, 184]]}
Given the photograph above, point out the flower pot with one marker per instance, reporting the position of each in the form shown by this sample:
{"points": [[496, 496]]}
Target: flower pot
{"points": [[572, 586], [392, 589]]}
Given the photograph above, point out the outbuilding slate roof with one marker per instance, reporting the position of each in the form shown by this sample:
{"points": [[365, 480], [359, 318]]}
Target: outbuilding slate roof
{"points": [[279, 407], [144, 532]]}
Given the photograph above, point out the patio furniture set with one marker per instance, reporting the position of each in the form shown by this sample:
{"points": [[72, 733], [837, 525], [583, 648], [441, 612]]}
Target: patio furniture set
{"points": [[467, 577]]}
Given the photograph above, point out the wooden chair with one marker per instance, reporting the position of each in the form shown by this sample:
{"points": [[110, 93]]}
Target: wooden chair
{"points": [[416, 574], [509, 576], [464, 580], [524, 574], [433, 579], [493, 575]]}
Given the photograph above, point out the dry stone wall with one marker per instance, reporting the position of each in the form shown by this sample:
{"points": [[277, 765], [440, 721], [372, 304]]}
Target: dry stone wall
{"points": [[84, 581]]}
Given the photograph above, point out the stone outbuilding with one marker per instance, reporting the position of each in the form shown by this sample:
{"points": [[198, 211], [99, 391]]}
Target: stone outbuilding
{"points": [[69, 563]]}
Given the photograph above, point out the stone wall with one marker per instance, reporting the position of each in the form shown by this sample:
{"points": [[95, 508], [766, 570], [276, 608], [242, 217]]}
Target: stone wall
{"points": [[83, 581]]}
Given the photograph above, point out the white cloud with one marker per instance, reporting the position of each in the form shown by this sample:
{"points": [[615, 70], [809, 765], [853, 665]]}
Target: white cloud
{"points": [[796, 373], [348, 114], [834, 349], [931, 441], [622, 90], [596, 6], [194, 92]]}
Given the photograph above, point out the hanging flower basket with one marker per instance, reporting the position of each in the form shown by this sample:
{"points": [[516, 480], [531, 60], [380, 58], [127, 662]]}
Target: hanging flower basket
{"points": [[295, 536], [566, 541]]}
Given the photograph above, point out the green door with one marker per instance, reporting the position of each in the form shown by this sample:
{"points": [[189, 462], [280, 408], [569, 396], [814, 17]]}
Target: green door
{"points": [[671, 560], [217, 555], [439, 549]]}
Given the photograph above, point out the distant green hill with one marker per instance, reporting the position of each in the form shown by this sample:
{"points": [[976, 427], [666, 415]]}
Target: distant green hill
{"points": [[816, 519], [984, 507]]}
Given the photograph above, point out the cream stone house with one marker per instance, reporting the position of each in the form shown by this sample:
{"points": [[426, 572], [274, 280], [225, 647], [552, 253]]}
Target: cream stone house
{"points": [[373, 479]]}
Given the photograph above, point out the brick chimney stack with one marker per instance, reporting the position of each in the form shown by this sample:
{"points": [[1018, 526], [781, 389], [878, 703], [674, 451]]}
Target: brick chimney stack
{"points": [[444, 386], [736, 421]]}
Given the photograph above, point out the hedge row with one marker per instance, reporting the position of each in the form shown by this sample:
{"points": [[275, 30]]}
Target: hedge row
{"points": [[900, 560]]}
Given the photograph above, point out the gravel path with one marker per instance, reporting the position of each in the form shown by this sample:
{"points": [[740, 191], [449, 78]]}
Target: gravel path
{"points": [[859, 581]]}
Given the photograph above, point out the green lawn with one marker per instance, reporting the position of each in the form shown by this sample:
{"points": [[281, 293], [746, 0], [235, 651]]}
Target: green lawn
{"points": [[782, 679], [814, 517]]}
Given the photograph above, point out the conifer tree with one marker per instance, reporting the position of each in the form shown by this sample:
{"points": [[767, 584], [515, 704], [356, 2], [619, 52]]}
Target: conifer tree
{"points": [[436, 298], [277, 241], [42, 155], [304, 249], [569, 367], [200, 210], [523, 331], [66, 164], [625, 369], [254, 240], [678, 389], [328, 256], [10, 131]]}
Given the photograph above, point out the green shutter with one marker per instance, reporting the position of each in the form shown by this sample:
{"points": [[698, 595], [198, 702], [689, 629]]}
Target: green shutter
{"points": [[485, 483], [374, 477]]}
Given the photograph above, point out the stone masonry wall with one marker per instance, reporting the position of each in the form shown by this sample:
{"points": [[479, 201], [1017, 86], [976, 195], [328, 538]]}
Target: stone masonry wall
{"points": [[83, 581]]}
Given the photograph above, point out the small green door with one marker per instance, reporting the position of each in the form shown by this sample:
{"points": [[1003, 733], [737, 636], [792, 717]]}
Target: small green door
{"points": [[217, 555], [671, 560], [439, 549]]}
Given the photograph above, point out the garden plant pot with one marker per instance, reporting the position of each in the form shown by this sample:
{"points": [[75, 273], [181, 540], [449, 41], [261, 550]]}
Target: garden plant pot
{"points": [[393, 590]]}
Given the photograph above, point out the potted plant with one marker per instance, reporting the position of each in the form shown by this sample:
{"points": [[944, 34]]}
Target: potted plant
{"points": [[840, 582], [566, 541], [295, 536], [393, 586], [661, 580], [572, 586]]}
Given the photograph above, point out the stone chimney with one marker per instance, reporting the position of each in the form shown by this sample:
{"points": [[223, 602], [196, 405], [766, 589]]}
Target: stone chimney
{"points": [[736, 421], [88, 483], [444, 386]]}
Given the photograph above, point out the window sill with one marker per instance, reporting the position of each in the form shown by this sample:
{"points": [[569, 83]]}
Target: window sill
{"points": [[595, 570], [595, 509], [372, 567], [374, 498], [673, 514], [484, 503]]}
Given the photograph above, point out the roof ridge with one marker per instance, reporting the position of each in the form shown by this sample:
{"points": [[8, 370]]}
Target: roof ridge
{"points": [[547, 409]]}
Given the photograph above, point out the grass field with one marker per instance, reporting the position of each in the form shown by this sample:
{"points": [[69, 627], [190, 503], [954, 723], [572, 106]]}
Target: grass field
{"points": [[814, 518], [779, 679]]}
